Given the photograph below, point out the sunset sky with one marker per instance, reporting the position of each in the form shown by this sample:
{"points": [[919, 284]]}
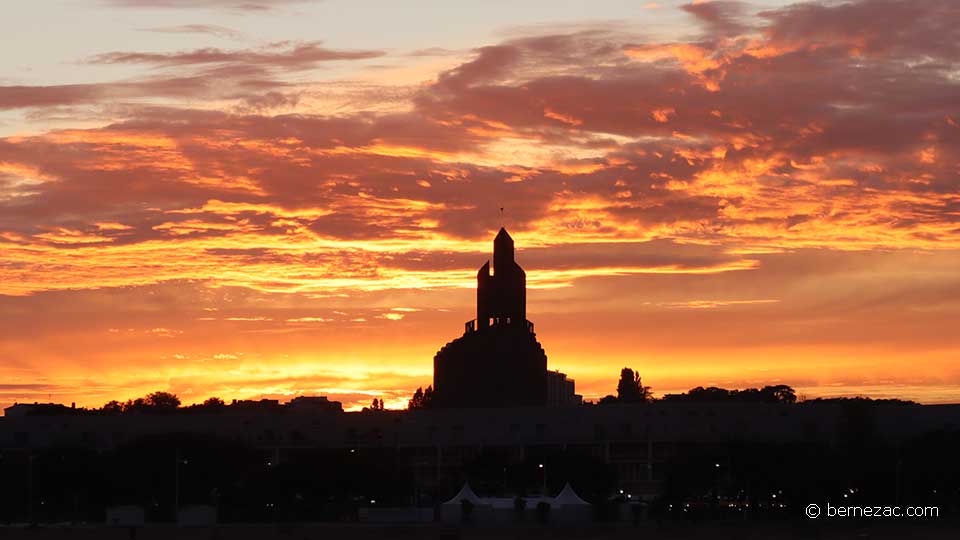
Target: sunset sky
{"points": [[271, 198]]}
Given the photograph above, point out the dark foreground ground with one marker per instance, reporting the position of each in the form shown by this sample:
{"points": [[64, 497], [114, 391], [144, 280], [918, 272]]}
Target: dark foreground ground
{"points": [[877, 530]]}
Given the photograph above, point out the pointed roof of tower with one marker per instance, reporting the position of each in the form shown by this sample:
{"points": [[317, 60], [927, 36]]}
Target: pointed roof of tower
{"points": [[503, 239], [503, 252]]}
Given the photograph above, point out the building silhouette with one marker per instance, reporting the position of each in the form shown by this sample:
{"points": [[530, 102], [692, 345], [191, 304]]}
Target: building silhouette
{"points": [[498, 362]]}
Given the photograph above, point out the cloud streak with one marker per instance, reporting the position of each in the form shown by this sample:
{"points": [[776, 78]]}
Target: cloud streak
{"points": [[291, 56], [251, 6], [208, 29]]}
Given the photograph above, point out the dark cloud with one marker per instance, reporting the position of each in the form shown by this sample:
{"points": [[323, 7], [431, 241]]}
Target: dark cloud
{"points": [[209, 29], [720, 18], [173, 87], [235, 5], [261, 103], [252, 77], [893, 28], [283, 55], [14, 97]]}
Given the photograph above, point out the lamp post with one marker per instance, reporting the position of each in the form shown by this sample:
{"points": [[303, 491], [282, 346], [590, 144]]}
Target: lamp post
{"points": [[30, 488], [544, 469], [176, 482]]}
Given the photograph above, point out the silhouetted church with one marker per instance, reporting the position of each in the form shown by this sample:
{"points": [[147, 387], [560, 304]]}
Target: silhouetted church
{"points": [[498, 361]]}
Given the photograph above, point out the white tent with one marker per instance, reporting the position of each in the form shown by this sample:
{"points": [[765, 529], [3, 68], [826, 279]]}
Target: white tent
{"points": [[452, 510], [465, 494], [568, 497], [570, 508]]}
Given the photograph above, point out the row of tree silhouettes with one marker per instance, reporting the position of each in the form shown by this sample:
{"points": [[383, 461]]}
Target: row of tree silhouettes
{"points": [[630, 389], [155, 401], [160, 402]]}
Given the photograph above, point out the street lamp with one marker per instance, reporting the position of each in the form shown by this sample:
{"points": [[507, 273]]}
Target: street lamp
{"points": [[30, 487], [544, 477], [176, 482]]}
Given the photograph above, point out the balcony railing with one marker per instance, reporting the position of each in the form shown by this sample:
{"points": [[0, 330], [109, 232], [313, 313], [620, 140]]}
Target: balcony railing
{"points": [[471, 325]]}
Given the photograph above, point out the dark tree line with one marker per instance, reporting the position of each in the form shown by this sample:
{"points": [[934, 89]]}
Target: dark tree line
{"points": [[630, 389], [779, 393], [153, 402], [422, 399]]}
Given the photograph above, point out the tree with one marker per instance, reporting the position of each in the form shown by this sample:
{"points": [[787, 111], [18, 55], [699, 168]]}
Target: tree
{"points": [[780, 393], [416, 402], [162, 401], [428, 397], [112, 407], [422, 399], [213, 403], [630, 389], [153, 402], [377, 405], [607, 400], [132, 405]]}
